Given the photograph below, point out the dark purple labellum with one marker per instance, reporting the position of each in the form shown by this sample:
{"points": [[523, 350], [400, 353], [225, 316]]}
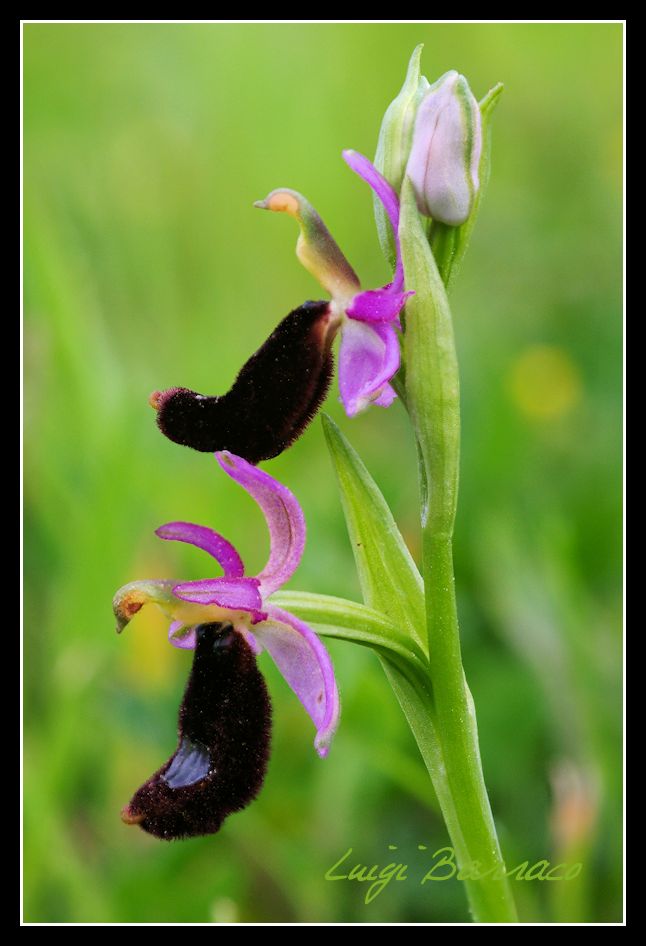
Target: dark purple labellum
{"points": [[275, 396], [224, 734]]}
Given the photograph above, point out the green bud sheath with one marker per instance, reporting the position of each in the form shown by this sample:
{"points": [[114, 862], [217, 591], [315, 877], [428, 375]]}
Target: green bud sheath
{"points": [[394, 144]]}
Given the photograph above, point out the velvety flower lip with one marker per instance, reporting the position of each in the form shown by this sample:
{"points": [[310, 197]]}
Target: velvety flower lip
{"points": [[224, 735], [242, 601], [274, 397], [369, 354]]}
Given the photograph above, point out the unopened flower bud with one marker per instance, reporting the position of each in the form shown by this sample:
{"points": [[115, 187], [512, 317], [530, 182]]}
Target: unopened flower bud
{"points": [[445, 156]]}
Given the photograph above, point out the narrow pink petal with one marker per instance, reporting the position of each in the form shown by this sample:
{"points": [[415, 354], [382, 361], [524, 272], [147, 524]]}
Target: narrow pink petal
{"points": [[388, 197], [368, 358], [386, 194], [184, 641], [236, 594], [377, 305], [284, 517], [306, 665], [207, 540]]}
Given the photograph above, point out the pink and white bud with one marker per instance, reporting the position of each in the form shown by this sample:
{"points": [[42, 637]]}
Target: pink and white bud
{"points": [[445, 156]]}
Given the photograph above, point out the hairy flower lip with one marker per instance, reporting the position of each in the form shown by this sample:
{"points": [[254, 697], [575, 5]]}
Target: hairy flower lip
{"points": [[224, 736], [273, 398], [129, 817], [158, 398]]}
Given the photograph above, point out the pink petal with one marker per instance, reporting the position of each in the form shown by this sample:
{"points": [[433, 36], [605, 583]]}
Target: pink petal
{"points": [[306, 665], [236, 594], [387, 396], [377, 305], [386, 194], [284, 517], [249, 637], [368, 359], [207, 540], [185, 641]]}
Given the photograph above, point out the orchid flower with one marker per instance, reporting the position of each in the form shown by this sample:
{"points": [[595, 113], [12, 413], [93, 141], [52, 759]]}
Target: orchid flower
{"points": [[280, 388], [231, 615], [369, 355]]}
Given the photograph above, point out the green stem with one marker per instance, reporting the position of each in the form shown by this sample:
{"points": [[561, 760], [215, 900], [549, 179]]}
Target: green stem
{"points": [[432, 388], [490, 897]]}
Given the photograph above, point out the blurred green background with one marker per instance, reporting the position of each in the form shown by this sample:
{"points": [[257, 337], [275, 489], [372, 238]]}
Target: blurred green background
{"points": [[146, 266]]}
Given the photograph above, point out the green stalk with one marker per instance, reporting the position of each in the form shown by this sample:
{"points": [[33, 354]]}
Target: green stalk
{"points": [[407, 673], [432, 393]]}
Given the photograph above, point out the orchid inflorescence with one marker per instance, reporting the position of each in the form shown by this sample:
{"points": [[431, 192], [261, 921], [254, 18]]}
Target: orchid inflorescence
{"points": [[431, 164]]}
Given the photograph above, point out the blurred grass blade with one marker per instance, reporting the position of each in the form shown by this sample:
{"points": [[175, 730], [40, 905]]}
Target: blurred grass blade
{"points": [[390, 581]]}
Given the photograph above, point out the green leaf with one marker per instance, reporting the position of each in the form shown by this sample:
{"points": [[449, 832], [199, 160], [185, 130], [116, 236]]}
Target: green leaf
{"points": [[403, 662], [351, 621], [449, 244], [390, 581]]}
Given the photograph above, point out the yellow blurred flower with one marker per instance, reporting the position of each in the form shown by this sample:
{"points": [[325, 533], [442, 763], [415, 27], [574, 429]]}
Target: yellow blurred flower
{"points": [[544, 382]]}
